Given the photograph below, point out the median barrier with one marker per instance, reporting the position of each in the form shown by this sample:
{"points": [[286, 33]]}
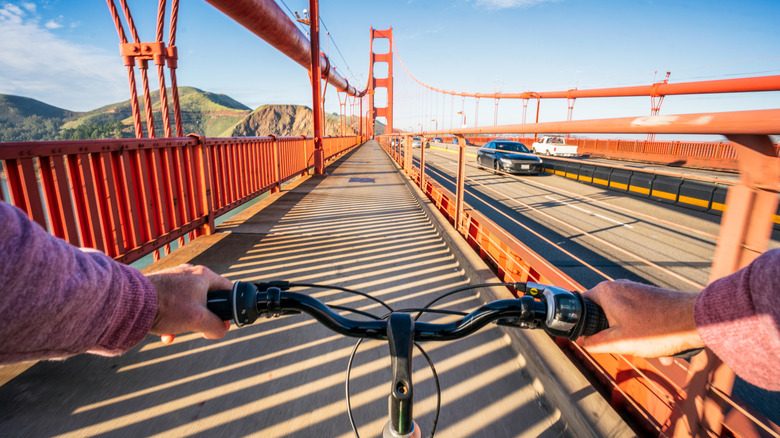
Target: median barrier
{"points": [[719, 198], [641, 183], [572, 170], [586, 173], [689, 193], [620, 179], [696, 195], [666, 188], [602, 175]]}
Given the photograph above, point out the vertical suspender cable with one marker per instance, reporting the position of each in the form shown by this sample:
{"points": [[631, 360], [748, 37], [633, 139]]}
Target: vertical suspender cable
{"points": [[172, 65], [129, 63], [143, 65], [160, 62]]}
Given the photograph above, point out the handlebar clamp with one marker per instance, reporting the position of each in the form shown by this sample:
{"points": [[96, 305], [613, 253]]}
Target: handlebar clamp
{"points": [[273, 300]]}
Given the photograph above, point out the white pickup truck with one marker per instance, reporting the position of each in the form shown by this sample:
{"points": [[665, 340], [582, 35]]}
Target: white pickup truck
{"points": [[554, 145]]}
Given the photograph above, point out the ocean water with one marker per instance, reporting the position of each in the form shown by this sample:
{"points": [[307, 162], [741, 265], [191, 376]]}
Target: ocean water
{"points": [[149, 258]]}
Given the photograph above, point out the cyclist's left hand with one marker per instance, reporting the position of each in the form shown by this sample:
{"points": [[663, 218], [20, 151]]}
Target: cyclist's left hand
{"points": [[181, 302]]}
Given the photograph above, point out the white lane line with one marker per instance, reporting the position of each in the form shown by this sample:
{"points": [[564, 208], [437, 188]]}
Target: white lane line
{"points": [[589, 212]]}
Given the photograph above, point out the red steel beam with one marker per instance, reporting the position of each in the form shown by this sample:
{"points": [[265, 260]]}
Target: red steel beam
{"points": [[738, 85], [766, 122], [266, 19]]}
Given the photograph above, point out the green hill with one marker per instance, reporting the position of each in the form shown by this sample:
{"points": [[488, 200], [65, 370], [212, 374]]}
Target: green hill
{"points": [[202, 112], [26, 119], [209, 114]]}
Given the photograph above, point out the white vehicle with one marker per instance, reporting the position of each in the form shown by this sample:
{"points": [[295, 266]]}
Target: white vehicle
{"points": [[554, 145]]}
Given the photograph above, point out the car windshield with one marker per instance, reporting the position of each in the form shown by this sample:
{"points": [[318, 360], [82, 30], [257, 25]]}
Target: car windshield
{"points": [[416, 138], [511, 147]]}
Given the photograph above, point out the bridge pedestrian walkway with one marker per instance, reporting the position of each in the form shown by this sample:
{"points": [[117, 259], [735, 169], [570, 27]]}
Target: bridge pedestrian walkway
{"points": [[361, 226]]}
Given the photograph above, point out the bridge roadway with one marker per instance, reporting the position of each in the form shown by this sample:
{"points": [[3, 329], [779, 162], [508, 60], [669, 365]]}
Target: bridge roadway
{"points": [[573, 225], [362, 226]]}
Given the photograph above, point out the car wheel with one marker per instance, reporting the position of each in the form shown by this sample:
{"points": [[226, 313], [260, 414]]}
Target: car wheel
{"points": [[496, 167], [479, 165]]}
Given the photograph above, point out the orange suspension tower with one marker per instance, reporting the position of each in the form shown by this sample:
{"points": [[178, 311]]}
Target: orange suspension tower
{"points": [[386, 83]]}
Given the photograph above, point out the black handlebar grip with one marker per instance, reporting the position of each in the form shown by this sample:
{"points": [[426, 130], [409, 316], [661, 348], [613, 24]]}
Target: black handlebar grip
{"points": [[219, 302], [595, 319]]}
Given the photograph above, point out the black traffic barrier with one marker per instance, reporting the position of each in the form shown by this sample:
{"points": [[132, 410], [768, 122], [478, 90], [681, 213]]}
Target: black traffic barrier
{"points": [[560, 167], [696, 194], [602, 175], [719, 198], [586, 173], [666, 188], [620, 179], [548, 165], [572, 170], [641, 183], [777, 218]]}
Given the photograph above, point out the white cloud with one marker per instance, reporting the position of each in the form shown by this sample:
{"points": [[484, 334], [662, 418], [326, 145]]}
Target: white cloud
{"points": [[51, 24], [11, 14], [39, 64], [31, 7], [508, 4]]}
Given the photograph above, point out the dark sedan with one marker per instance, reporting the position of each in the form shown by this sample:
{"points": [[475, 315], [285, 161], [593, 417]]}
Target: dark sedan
{"points": [[508, 156], [468, 143]]}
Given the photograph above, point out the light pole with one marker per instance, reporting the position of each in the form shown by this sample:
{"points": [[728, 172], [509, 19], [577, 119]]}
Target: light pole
{"points": [[436, 124], [462, 118]]}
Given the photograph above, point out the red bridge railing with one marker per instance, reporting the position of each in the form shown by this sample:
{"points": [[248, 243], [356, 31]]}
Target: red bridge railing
{"points": [[129, 198]]}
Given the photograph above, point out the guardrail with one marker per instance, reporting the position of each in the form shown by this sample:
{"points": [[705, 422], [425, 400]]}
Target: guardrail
{"points": [[130, 197], [658, 398]]}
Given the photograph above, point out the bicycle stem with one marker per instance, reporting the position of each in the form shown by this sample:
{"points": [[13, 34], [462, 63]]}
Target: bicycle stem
{"points": [[400, 338]]}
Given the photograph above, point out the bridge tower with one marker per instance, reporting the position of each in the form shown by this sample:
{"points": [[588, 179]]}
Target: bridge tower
{"points": [[383, 85]]}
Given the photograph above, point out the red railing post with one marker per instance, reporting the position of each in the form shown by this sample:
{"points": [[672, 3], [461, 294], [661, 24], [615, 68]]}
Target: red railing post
{"points": [[277, 166], [203, 183], [461, 179], [408, 141]]}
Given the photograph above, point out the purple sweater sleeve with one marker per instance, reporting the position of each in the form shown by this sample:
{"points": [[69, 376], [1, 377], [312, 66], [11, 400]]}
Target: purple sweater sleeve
{"points": [[58, 301], [738, 317]]}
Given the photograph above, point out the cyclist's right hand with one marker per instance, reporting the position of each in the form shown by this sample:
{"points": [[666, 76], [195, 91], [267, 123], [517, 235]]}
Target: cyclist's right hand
{"points": [[181, 302], [645, 321]]}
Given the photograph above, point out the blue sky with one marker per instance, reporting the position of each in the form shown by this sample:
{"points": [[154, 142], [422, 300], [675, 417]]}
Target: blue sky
{"points": [[66, 52]]}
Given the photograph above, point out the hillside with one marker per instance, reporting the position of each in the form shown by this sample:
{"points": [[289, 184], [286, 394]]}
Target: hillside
{"points": [[210, 114], [26, 119], [203, 112], [282, 120]]}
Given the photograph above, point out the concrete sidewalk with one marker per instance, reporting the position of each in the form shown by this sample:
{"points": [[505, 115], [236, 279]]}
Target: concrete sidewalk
{"points": [[360, 226]]}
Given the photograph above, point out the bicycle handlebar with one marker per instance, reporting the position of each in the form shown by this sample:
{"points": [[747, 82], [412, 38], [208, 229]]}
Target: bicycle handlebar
{"points": [[559, 311]]}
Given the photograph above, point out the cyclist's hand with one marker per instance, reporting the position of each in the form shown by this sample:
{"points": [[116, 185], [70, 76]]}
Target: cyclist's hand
{"points": [[644, 320], [181, 302]]}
